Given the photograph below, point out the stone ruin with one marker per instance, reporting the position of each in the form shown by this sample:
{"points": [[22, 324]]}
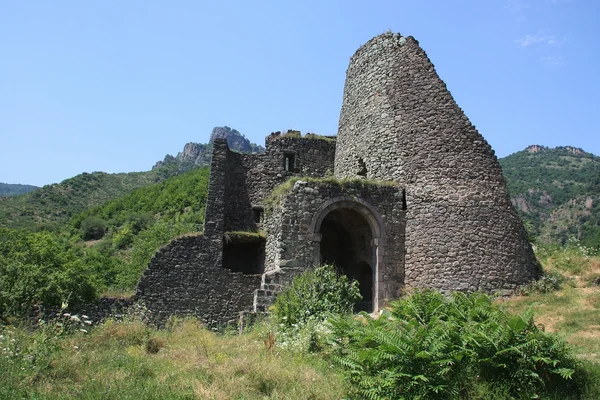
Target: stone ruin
{"points": [[408, 194]]}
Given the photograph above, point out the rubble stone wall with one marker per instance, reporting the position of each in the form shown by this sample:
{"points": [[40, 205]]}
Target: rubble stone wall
{"points": [[399, 122], [185, 278], [293, 243]]}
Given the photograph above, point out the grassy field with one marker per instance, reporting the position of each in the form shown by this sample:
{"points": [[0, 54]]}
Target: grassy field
{"points": [[574, 310], [130, 360]]}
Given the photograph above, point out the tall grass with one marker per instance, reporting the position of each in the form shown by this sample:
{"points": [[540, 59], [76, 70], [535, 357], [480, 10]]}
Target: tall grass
{"points": [[129, 360]]}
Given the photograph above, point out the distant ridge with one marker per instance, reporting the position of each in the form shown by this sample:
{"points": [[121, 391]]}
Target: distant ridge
{"points": [[15, 189], [556, 192]]}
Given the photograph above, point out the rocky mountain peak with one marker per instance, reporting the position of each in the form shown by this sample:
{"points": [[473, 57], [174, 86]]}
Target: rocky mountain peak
{"points": [[199, 154]]}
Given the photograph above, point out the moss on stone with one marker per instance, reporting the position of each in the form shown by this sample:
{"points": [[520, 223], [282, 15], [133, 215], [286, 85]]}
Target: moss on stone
{"points": [[244, 236], [280, 191]]}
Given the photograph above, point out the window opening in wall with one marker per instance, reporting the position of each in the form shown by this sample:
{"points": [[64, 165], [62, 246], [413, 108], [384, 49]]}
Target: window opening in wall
{"points": [[258, 214], [404, 199], [362, 168], [288, 161]]}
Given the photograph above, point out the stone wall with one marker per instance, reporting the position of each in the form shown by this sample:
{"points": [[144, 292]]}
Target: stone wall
{"points": [[399, 122], [185, 278], [293, 240], [313, 156]]}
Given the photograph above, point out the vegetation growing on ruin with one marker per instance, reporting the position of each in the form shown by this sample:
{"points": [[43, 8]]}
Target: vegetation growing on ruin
{"points": [[240, 236], [282, 190]]}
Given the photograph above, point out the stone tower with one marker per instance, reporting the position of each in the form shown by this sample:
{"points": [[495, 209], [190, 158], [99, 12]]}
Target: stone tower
{"points": [[399, 122]]}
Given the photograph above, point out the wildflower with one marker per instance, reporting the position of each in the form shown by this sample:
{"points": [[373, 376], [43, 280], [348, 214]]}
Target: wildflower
{"points": [[66, 315], [87, 322], [85, 317], [83, 330], [75, 318]]}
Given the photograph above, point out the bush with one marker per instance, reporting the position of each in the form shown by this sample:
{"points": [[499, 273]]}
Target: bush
{"points": [[40, 269], [93, 228], [549, 282], [313, 295], [432, 347]]}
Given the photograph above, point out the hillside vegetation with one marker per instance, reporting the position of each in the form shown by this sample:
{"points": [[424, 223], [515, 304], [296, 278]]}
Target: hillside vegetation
{"points": [[103, 250], [556, 192], [425, 346], [10, 189], [54, 204]]}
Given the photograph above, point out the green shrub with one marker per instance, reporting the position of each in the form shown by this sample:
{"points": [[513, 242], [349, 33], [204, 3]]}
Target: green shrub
{"points": [[40, 268], [549, 282], [432, 347], [313, 295], [93, 228], [123, 238]]}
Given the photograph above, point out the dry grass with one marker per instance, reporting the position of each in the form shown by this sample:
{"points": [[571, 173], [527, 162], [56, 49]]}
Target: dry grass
{"points": [[113, 362], [573, 311]]}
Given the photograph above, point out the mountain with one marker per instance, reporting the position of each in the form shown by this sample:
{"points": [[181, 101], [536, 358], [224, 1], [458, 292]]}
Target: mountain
{"points": [[557, 192], [10, 189], [199, 154], [56, 203]]}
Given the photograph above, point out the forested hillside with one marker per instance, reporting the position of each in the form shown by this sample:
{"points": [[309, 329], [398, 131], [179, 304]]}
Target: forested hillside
{"points": [[10, 189], [55, 204], [557, 192], [104, 249]]}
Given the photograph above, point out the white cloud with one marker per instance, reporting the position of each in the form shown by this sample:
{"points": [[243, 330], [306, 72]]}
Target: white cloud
{"points": [[529, 40]]}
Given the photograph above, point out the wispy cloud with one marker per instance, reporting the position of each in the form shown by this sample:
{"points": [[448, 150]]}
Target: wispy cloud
{"points": [[538, 38]]}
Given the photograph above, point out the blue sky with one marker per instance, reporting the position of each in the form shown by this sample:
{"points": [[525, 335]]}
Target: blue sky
{"points": [[115, 85]]}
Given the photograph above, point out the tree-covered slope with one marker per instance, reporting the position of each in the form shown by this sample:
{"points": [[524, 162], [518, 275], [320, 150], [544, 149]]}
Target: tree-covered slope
{"points": [[56, 203], [12, 189], [64, 266], [557, 192]]}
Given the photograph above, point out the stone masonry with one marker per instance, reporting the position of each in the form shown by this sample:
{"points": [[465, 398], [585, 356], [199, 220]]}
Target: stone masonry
{"points": [[409, 194]]}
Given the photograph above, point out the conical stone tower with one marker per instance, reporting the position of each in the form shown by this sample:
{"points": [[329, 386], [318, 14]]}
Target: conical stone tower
{"points": [[399, 122]]}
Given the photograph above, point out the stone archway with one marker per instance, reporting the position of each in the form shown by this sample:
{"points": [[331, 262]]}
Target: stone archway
{"points": [[350, 234]]}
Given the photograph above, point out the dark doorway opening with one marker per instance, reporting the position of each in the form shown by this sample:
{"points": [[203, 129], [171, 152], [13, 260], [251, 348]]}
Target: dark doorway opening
{"points": [[243, 254], [346, 243]]}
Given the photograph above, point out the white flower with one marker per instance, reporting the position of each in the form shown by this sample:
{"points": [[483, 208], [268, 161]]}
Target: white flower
{"points": [[87, 322], [85, 317], [83, 330], [75, 318]]}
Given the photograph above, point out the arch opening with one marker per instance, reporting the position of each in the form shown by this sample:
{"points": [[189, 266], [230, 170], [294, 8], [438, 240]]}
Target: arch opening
{"points": [[346, 242]]}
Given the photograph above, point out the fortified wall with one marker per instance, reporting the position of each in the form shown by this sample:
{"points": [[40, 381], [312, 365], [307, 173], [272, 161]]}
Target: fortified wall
{"points": [[408, 195]]}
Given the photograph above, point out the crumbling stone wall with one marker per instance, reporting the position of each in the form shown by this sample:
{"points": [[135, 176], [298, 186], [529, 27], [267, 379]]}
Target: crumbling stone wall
{"points": [[313, 156], [239, 182], [293, 243], [186, 278], [399, 122]]}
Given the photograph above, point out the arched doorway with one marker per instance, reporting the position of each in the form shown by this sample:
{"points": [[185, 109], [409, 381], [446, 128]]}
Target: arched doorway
{"points": [[346, 243], [351, 236]]}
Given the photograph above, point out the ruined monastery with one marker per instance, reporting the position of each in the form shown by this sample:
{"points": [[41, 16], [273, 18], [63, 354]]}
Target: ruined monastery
{"points": [[408, 194]]}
